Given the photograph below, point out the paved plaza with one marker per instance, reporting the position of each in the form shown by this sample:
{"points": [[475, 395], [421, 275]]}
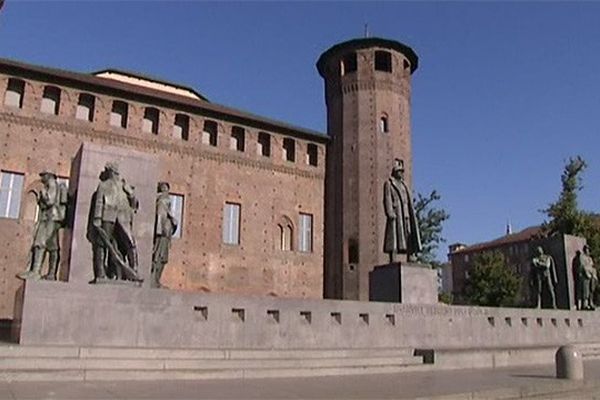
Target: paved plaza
{"points": [[507, 383]]}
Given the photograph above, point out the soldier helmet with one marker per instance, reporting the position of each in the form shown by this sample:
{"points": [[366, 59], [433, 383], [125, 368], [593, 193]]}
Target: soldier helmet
{"points": [[44, 173], [112, 166], [398, 165], [161, 184]]}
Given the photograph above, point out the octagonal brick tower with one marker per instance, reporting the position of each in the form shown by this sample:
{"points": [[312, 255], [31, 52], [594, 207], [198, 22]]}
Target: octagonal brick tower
{"points": [[367, 92]]}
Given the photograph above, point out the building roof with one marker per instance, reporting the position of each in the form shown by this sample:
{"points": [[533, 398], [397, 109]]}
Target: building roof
{"points": [[124, 89], [363, 43], [518, 237], [144, 77]]}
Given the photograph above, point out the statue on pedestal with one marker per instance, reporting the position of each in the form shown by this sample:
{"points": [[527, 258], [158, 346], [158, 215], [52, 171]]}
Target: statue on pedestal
{"points": [[402, 228], [164, 228], [52, 203], [543, 279], [585, 278], [113, 207]]}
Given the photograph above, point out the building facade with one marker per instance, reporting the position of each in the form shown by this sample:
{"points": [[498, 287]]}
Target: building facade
{"points": [[516, 249], [249, 191]]}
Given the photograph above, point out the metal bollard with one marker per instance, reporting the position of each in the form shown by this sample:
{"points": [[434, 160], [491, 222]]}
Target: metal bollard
{"points": [[569, 363]]}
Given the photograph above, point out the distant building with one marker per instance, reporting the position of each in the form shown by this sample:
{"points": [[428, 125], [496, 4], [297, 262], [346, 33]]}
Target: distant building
{"points": [[514, 246], [445, 278]]}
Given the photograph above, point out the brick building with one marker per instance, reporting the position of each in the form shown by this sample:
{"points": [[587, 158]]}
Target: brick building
{"points": [[515, 247], [249, 190], [257, 215]]}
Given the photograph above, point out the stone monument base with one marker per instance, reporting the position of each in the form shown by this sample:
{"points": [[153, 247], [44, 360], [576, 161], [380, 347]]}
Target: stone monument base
{"points": [[408, 283]]}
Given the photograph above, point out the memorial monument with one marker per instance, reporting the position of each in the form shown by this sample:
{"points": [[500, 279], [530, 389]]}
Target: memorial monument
{"points": [[543, 279], [165, 227]]}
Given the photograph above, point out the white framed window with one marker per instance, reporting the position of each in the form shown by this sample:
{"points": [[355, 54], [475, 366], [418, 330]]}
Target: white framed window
{"points": [[177, 211], [11, 187], [231, 223], [85, 107], [305, 234]]}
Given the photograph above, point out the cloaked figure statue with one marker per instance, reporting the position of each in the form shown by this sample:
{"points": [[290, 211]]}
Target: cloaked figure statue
{"points": [[402, 228]]}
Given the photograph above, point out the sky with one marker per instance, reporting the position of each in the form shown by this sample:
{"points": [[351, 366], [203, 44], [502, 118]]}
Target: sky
{"points": [[504, 94]]}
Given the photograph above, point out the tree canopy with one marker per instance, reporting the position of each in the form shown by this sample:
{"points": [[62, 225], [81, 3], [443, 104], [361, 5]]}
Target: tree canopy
{"points": [[491, 283], [430, 219]]}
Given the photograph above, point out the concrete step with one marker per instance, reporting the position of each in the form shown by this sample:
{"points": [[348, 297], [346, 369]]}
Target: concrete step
{"points": [[162, 353], [62, 363], [131, 375]]}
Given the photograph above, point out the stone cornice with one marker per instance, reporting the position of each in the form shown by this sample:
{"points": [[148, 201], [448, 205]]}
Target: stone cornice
{"points": [[112, 138]]}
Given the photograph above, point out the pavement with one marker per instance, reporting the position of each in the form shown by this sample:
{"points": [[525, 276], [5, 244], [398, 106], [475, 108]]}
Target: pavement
{"points": [[536, 382]]}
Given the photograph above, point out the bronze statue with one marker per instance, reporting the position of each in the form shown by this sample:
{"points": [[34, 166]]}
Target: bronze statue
{"points": [[113, 207], [543, 279], [164, 228], [401, 229], [52, 203], [586, 279]]}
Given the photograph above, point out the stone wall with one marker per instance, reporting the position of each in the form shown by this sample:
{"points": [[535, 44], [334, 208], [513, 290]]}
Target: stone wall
{"points": [[91, 315]]}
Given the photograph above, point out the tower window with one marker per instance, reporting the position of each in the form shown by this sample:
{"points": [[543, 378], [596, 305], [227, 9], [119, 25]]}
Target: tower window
{"points": [[150, 121], [264, 144], [209, 133], [238, 139], [312, 154], [181, 127], [14, 93], [352, 251], [85, 107], [348, 64], [383, 61], [50, 100], [384, 125], [118, 114], [289, 149]]}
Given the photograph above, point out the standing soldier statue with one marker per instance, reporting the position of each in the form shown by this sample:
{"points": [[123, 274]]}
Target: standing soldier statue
{"points": [[586, 279], [164, 228], [544, 279], [111, 231], [52, 203], [402, 228]]}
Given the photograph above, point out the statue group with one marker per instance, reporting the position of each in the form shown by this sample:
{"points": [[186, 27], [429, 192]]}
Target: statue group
{"points": [[544, 279], [110, 229]]}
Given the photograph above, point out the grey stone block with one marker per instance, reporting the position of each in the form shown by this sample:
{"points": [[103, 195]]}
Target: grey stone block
{"points": [[403, 283]]}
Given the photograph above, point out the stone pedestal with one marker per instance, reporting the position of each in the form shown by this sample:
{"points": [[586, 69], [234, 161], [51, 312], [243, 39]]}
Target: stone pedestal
{"points": [[403, 283]]}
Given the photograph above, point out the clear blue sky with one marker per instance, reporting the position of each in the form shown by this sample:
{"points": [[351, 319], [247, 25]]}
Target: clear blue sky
{"points": [[504, 94]]}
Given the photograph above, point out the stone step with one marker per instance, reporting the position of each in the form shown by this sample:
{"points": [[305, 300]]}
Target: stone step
{"points": [[162, 353], [65, 363], [130, 375]]}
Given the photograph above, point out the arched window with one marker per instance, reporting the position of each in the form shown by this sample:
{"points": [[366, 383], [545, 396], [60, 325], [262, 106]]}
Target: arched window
{"points": [[384, 126], [209, 133], [50, 100], [181, 127], [118, 114], [383, 61], [85, 107], [14, 93], [150, 121], [286, 234]]}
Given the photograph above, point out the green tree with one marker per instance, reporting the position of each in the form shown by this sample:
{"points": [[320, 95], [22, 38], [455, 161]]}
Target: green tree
{"points": [[431, 221], [564, 215], [491, 282]]}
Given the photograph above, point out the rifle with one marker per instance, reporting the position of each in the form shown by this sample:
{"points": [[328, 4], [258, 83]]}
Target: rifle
{"points": [[129, 272]]}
